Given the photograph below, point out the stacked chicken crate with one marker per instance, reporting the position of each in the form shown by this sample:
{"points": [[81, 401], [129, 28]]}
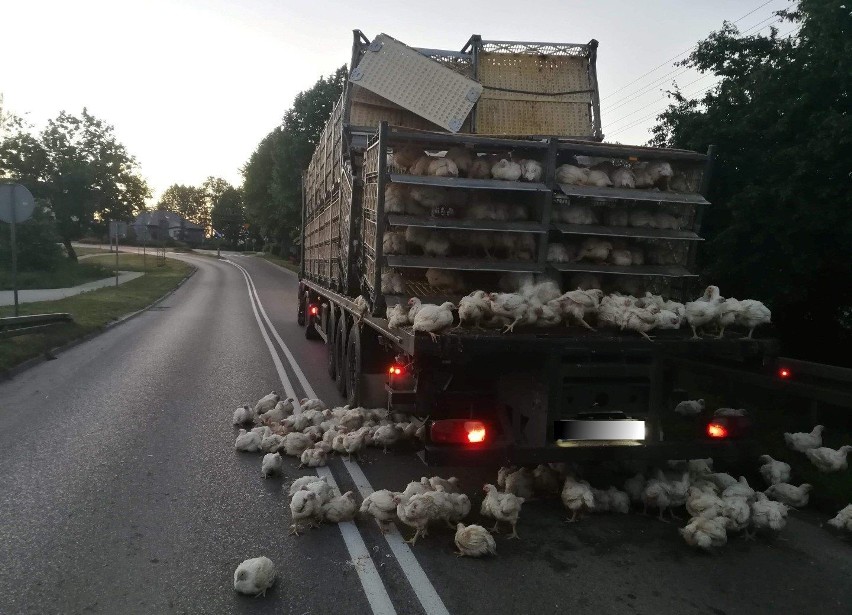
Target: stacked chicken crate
{"points": [[545, 92]]}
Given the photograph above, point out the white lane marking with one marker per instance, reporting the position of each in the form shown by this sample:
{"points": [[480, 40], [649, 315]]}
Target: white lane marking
{"points": [[371, 582], [423, 588], [420, 583], [376, 594], [309, 391]]}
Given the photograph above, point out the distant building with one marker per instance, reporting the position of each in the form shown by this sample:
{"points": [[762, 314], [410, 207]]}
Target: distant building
{"points": [[161, 225]]}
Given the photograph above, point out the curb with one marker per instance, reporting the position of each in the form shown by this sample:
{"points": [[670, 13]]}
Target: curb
{"points": [[22, 367]]}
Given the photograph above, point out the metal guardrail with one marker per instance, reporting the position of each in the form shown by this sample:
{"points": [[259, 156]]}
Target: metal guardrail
{"points": [[11, 326]]}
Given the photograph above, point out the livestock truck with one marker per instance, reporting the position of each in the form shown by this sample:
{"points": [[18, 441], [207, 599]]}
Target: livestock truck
{"points": [[536, 394]]}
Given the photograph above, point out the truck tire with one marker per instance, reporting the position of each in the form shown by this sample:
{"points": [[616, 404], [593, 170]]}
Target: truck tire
{"points": [[300, 315], [331, 334], [340, 354], [354, 366]]}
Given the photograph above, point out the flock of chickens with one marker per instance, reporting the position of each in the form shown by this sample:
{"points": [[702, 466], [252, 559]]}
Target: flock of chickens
{"points": [[717, 503], [543, 304]]}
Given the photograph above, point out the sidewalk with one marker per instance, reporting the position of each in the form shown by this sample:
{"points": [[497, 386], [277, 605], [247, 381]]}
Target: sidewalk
{"points": [[7, 297]]}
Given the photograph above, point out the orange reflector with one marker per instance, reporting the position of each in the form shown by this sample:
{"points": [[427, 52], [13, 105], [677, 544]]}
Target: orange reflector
{"points": [[715, 430]]}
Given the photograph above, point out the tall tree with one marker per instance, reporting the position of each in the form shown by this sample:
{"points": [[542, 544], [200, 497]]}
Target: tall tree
{"points": [[228, 216], [272, 177], [187, 201], [779, 226], [78, 165]]}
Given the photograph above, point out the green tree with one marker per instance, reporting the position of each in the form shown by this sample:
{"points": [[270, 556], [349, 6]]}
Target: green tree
{"points": [[779, 228], [187, 201], [228, 216], [78, 165], [273, 175]]}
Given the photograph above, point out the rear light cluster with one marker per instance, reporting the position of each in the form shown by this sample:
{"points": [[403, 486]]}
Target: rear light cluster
{"points": [[717, 431], [313, 310], [728, 427], [460, 431], [396, 370]]}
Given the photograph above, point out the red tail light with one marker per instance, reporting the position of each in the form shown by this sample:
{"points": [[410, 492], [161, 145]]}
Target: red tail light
{"points": [[396, 370], [784, 373], [717, 431], [459, 431], [313, 310]]}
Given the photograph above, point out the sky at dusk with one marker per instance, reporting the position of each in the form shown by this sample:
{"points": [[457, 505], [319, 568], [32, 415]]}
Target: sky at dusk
{"points": [[192, 86]]}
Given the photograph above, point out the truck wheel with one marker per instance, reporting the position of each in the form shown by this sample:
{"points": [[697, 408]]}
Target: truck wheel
{"points": [[331, 334], [300, 315], [340, 354], [354, 366]]}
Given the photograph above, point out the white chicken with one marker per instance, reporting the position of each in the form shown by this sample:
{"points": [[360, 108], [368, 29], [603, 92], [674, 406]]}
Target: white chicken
{"points": [[595, 250], [843, 519], [421, 165], [704, 310], [266, 403], [571, 175], [740, 490], [788, 494], [437, 244], [598, 178], [396, 198], [442, 167], [640, 320], [392, 282], [705, 533], [690, 407], [703, 503], [656, 495], [248, 441], [282, 410], [393, 243], [462, 157], [397, 316], [474, 308], [295, 443], [506, 170], [827, 459], [803, 441], [405, 156], [428, 197], [728, 311], [356, 441], [501, 507], [474, 541], [445, 280], [521, 483], [663, 220], [546, 480], [432, 319], [774, 471], [448, 485], [272, 464], [304, 505], [768, 516], [313, 458], [531, 170], [622, 177], [254, 576], [559, 253], [722, 480], [385, 436], [619, 501], [270, 443], [577, 497], [579, 303], [339, 509], [244, 415], [575, 214], [753, 314], [509, 305], [381, 506], [737, 511]]}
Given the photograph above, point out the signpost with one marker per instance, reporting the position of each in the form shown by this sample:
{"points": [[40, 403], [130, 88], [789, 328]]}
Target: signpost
{"points": [[16, 205]]}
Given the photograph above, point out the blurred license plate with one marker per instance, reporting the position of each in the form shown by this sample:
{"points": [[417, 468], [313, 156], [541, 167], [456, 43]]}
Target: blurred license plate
{"points": [[573, 430]]}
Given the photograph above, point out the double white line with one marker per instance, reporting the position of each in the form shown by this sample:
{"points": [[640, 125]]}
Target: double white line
{"points": [[376, 593]]}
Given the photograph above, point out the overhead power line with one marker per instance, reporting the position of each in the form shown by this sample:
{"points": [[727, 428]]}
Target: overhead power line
{"points": [[683, 53]]}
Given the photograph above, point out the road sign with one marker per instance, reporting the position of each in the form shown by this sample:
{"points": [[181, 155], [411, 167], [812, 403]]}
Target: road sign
{"points": [[20, 197]]}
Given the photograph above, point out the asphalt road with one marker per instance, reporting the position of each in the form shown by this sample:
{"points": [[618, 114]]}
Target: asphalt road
{"points": [[120, 492]]}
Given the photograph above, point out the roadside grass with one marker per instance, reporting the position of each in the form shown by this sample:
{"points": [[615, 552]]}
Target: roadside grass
{"points": [[92, 310], [278, 261], [66, 273], [81, 251]]}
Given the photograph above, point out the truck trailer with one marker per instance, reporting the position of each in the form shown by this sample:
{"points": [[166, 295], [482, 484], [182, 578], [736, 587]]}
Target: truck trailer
{"points": [[535, 394]]}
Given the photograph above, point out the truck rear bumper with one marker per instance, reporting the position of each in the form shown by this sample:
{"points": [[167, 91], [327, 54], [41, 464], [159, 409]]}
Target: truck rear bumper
{"points": [[501, 455]]}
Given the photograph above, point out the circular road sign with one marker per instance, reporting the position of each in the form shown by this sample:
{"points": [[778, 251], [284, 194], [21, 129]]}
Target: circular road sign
{"points": [[17, 196]]}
